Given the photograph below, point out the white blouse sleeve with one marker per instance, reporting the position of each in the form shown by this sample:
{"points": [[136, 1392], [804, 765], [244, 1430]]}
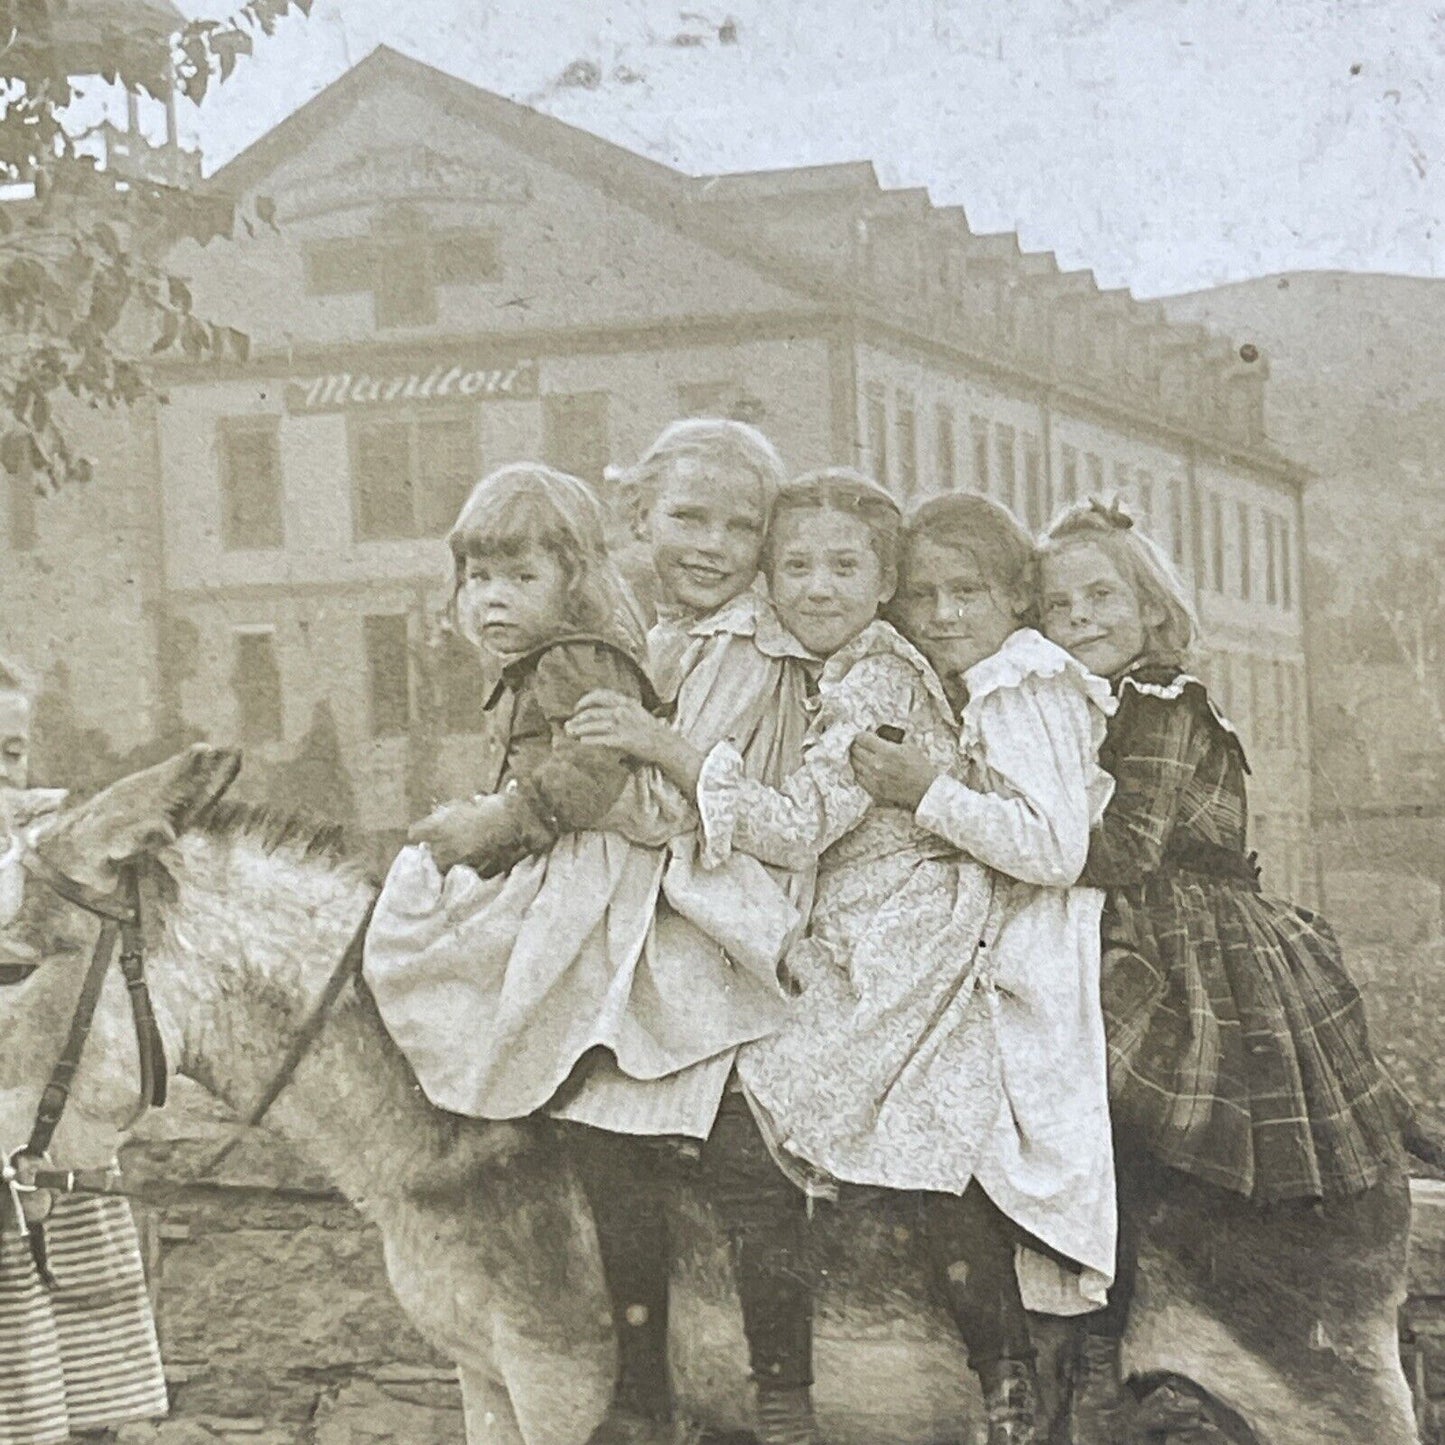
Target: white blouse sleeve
{"points": [[822, 801], [1036, 741]]}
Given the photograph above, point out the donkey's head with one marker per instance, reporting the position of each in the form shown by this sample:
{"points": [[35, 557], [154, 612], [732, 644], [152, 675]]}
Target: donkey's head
{"points": [[46, 944], [139, 815]]}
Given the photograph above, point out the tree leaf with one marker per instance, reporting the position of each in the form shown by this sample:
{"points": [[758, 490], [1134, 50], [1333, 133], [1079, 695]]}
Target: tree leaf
{"points": [[170, 330], [194, 338], [14, 451], [106, 238], [179, 293]]}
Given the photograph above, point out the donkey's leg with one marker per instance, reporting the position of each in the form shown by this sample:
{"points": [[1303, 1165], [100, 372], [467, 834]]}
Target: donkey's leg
{"points": [[487, 1410]]}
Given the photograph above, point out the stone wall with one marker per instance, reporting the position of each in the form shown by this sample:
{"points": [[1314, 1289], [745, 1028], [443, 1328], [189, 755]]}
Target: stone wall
{"points": [[278, 1327]]}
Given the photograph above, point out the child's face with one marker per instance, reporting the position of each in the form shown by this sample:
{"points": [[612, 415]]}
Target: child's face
{"points": [[14, 740], [949, 610], [511, 604], [827, 582], [705, 528], [1090, 609]]}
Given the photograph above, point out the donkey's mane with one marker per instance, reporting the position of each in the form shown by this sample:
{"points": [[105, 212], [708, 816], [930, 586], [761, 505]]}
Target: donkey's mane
{"points": [[275, 831]]}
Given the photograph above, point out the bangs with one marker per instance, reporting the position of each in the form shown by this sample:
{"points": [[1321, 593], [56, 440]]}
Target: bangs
{"points": [[508, 525]]}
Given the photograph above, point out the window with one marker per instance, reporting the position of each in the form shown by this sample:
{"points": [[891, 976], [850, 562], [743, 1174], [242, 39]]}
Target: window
{"points": [[1286, 567], [447, 468], [256, 683], [1246, 551], [1146, 501], [1096, 476], [979, 430], [720, 399], [382, 487], [1224, 683], [877, 410], [1007, 465], [1121, 480], [411, 472], [1271, 561], [943, 448], [575, 435], [1070, 460], [388, 675], [1035, 503], [459, 667], [1216, 542], [907, 428], [1196, 533], [1176, 521], [21, 520], [250, 457]]}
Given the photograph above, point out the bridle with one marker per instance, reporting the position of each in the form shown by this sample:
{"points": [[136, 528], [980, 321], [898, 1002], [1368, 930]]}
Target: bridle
{"points": [[28, 1172]]}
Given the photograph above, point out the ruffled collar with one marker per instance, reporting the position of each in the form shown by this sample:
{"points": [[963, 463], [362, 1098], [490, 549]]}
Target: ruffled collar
{"points": [[882, 639], [1155, 677], [1028, 653], [751, 615]]}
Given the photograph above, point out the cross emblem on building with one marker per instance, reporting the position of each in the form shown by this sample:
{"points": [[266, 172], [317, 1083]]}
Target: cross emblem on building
{"points": [[401, 263]]}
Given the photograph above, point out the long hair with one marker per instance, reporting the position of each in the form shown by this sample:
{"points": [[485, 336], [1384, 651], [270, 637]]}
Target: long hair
{"points": [[529, 505], [1141, 563], [985, 532], [713, 441], [841, 489]]}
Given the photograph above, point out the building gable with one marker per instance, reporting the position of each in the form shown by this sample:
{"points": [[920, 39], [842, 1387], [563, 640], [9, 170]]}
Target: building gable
{"points": [[410, 205]]}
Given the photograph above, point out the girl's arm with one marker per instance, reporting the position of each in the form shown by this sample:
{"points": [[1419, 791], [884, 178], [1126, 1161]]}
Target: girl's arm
{"points": [[1151, 772], [611, 720], [790, 826], [1037, 742], [570, 790]]}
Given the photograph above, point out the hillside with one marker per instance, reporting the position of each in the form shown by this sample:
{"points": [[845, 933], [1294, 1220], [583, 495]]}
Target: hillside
{"points": [[1356, 362]]}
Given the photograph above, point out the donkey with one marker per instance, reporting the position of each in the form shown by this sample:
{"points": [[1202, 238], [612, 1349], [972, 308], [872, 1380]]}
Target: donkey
{"points": [[1284, 1325]]}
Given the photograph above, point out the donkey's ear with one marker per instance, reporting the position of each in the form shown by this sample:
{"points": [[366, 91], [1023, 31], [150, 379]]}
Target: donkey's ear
{"points": [[139, 814]]}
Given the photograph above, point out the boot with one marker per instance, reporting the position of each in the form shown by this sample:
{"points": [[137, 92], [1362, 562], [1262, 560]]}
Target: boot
{"points": [[1101, 1408], [1010, 1401], [784, 1415]]}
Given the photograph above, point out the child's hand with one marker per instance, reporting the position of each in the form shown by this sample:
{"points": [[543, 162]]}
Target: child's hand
{"points": [[613, 720], [898, 774], [456, 831]]}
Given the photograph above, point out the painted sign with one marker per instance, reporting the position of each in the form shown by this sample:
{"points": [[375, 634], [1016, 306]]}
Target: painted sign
{"points": [[460, 381]]}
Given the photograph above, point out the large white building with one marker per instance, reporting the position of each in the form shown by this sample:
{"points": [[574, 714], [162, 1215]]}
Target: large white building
{"points": [[456, 281]]}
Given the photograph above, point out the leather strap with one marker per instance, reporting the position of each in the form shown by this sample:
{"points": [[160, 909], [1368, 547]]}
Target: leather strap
{"points": [[347, 968]]}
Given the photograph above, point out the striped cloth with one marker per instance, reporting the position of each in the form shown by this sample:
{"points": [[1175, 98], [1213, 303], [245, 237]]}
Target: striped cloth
{"points": [[83, 1355]]}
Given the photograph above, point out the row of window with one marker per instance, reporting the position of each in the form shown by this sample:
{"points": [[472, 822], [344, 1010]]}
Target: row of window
{"points": [[1241, 549], [1264, 697], [392, 687], [410, 470]]}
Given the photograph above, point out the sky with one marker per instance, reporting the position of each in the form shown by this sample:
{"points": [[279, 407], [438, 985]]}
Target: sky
{"points": [[1170, 145]]}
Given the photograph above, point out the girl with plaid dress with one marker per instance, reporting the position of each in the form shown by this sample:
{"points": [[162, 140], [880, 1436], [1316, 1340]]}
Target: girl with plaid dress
{"points": [[1238, 1049]]}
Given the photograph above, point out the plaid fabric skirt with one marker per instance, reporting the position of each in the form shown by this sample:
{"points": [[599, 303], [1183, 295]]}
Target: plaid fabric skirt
{"points": [[1238, 1050], [82, 1355]]}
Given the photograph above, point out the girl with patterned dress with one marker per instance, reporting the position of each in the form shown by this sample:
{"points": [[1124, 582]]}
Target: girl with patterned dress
{"points": [[78, 1354], [947, 1038], [1237, 1042]]}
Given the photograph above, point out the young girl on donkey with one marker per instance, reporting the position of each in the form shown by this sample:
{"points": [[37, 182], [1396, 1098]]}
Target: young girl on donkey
{"points": [[1237, 1043], [600, 960], [914, 1001]]}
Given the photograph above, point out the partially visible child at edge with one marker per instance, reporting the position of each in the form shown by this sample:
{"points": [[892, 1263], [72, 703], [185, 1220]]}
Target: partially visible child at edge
{"points": [[1237, 1043], [700, 499], [81, 1354], [885, 1073]]}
